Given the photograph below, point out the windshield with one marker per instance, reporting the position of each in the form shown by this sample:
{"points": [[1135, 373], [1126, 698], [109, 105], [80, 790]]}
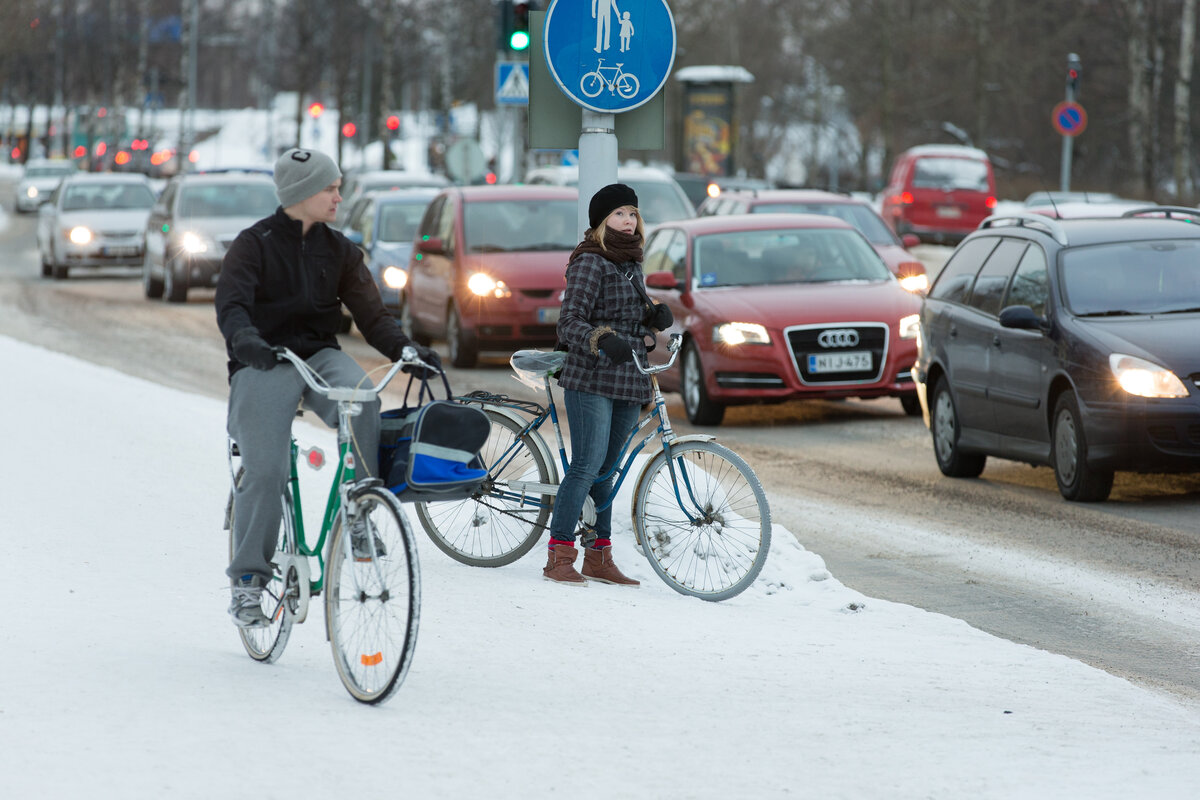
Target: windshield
{"points": [[49, 172], [660, 202], [760, 258], [398, 221], [1160, 277], [107, 196], [228, 200], [950, 173], [867, 221], [513, 225]]}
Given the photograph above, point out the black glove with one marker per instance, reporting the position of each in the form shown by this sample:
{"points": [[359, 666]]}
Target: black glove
{"points": [[429, 356], [250, 348], [616, 348], [660, 317]]}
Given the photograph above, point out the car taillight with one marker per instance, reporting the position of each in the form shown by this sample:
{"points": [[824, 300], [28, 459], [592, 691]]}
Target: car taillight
{"points": [[906, 198], [990, 202]]}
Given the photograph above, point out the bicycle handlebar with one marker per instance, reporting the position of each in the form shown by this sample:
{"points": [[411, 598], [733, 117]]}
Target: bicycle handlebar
{"points": [[676, 339], [408, 358]]}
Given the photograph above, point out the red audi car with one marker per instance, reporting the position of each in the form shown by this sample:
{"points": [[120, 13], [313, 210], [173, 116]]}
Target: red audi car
{"points": [[488, 268], [777, 307]]}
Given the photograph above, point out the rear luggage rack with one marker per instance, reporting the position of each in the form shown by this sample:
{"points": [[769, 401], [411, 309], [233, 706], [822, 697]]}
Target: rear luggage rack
{"points": [[1166, 211]]}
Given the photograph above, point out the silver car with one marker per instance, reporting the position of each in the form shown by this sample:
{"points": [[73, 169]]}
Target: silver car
{"points": [[94, 220], [193, 223], [40, 177]]}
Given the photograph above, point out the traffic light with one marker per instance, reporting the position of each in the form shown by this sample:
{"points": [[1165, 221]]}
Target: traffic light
{"points": [[1074, 69], [518, 40], [392, 123], [315, 110], [349, 129]]}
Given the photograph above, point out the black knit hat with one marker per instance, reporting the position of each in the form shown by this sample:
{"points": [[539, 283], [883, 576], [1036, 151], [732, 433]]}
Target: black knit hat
{"points": [[609, 199]]}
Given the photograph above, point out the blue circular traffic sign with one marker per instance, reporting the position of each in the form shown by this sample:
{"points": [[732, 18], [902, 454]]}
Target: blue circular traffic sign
{"points": [[1069, 118], [609, 56]]}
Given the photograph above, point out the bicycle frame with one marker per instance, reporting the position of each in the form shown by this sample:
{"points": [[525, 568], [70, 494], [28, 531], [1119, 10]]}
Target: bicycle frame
{"points": [[529, 492]]}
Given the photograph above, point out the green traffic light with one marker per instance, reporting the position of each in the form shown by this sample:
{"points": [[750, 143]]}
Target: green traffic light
{"points": [[519, 40]]}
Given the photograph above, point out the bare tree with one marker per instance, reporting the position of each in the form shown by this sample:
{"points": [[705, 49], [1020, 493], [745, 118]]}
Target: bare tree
{"points": [[1184, 189]]}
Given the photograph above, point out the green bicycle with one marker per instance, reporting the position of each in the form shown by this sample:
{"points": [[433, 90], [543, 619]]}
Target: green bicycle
{"points": [[372, 604]]}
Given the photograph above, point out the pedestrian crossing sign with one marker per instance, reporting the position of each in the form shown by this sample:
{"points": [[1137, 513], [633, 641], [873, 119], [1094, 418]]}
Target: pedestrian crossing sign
{"points": [[512, 83]]}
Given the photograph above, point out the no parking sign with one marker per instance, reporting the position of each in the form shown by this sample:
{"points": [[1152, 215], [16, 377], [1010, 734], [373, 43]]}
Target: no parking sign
{"points": [[1069, 118]]}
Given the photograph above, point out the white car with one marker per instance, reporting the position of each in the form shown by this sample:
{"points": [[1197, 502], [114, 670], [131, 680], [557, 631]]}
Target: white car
{"points": [[38, 181], [94, 220]]}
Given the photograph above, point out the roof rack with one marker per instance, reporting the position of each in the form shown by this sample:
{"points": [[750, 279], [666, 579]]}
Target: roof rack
{"points": [[1166, 211], [1027, 220]]}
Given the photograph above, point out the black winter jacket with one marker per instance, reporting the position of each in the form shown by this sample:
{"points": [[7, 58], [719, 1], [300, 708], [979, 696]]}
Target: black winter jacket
{"points": [[291, 289]]}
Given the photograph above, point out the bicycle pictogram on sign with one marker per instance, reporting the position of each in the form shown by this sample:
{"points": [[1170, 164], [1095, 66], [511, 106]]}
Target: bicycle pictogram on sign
{"points": [[621, 82]]}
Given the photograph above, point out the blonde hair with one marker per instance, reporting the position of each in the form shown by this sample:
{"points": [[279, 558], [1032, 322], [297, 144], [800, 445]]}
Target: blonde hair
{"points": [[597, 233]]}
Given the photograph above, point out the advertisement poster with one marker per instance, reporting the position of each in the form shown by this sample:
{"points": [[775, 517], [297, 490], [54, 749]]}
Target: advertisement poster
{"points": [[707, 128]]}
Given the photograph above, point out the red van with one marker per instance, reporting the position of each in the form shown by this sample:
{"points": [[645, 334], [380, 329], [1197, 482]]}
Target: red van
{"points": [[939, 192]]}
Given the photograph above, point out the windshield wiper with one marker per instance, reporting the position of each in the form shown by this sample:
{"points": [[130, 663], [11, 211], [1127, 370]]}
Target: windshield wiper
{"points": [[1116, 312], [488, 248], [1188, 310], [549, 246]]}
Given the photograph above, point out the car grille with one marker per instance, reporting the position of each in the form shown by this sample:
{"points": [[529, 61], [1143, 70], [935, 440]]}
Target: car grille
{"points": [[117, 234], [871, 337], [537, 294]]}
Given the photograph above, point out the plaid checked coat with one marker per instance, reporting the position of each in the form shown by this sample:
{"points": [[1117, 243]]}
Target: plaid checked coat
{"points": [[599, 299]]}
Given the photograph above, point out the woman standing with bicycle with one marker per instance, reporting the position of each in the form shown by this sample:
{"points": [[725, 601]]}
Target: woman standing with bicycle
{"points": [[605, 316]]}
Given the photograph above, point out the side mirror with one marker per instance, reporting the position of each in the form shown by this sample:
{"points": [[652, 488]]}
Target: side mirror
{"points": [[661, 280], [910, 240], [431, 244], [1021, 317]]}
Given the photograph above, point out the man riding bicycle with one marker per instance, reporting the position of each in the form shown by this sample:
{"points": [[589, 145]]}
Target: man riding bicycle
{"points": [[283, 283]]}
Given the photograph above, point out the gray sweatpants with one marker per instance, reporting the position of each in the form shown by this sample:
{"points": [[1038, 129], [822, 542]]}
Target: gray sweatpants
{"points": [[262, 405]]}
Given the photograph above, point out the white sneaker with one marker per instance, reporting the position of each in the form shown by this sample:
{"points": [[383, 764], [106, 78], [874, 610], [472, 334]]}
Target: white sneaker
{"points": [[246, 605]]}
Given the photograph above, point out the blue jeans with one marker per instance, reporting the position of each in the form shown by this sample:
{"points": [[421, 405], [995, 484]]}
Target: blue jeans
{"points": [[599, 427]]}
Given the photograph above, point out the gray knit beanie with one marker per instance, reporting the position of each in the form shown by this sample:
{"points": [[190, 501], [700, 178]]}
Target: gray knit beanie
{"points": [[299, 174]]}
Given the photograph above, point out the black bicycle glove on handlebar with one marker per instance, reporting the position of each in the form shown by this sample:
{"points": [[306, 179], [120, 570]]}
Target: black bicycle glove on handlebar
{"points": [[616, 348], [429, 356], [250, 348], [660, 317]]}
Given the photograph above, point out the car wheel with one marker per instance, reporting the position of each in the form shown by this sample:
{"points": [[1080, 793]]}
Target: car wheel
{"points": [[152, 287], [57, 271], [1076, 480], [944, 427], [700, 409], [47, 270], [174, 286], [911, 405], [464, 350]]}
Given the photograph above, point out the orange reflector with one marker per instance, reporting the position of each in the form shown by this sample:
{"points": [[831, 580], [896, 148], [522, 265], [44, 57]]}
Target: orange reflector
{"points": [[372, 660]]}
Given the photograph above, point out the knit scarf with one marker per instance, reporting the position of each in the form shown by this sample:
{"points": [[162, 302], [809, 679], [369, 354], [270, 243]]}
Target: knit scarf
{"points": [[619, 248]]}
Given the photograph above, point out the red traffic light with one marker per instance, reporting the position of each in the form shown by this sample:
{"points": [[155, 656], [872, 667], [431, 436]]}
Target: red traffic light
{"points": [[349, 129], [315, 110], [392, 122]]}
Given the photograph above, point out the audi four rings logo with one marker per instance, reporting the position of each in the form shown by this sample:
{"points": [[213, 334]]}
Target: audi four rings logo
{"points": [[838, 337]]}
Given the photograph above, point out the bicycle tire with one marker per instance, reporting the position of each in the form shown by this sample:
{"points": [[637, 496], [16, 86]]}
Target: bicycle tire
{"points": [[373, 606], [487, 529], [627, 85], [720, 554], [592, 84], [280, 595]]}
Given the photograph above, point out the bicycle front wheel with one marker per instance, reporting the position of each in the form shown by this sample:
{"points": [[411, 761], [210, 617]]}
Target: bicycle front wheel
{"points": [[496, 525], [281, 595], [703, 520], [373, 602]]}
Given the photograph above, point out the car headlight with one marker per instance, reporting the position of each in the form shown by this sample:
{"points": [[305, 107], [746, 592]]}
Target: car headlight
{"points": [[741, 333], [79, 235], [1145, 378], [394, 277], [484, 285], [193, 244], [917, 284], [31, 192], [910, 326]]}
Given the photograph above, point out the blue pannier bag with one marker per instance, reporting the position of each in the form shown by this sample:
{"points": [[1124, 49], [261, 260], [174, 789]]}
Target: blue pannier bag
{"points": [[430, 451]]}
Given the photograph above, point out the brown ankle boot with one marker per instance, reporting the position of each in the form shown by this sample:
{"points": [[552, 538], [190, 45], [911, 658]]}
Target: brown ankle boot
{"points": [[560, 566], [598, 566]]}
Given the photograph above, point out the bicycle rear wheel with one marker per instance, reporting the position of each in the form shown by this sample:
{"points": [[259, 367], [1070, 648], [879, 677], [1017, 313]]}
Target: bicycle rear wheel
{"points": [[706, 530], [496, 526], [281, 595], [373, 605]]}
